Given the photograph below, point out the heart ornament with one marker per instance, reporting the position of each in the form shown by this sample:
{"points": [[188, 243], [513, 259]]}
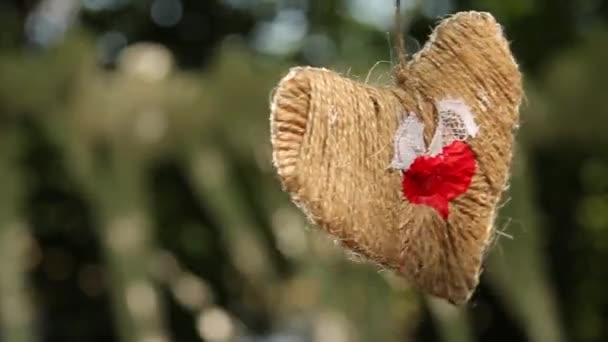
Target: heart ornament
{"points": [[408, 176]]}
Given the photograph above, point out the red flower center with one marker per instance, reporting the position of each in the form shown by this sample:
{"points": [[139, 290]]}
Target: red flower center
{"points": [[434, 181]]}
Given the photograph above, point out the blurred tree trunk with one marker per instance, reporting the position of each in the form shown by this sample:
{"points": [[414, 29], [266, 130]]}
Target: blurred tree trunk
{"points": [[452, 322], [15, 307], [516, 268], [114, 182]]}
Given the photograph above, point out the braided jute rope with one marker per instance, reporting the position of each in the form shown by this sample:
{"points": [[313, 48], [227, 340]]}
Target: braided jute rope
{"points": [[332, 143]]}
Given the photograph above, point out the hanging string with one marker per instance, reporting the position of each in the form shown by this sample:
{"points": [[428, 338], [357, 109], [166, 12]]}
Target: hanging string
{"points": [[400, 41]]}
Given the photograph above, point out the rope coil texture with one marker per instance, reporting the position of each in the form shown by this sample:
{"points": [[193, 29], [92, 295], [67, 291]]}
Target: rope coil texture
{"points": [[332, 143]]}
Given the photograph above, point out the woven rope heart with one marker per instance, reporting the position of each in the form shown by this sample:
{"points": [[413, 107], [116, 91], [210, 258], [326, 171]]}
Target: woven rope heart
{"points": [[409, 176]]}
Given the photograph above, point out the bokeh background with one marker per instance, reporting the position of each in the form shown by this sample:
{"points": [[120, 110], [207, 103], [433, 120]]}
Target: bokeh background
{"points": [[138, 201]]}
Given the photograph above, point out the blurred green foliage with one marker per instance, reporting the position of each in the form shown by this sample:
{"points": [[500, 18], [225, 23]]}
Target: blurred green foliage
{"points": [[139, 202]]}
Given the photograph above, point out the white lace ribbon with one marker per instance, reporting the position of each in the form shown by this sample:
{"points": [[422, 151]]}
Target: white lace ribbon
{"points": [[456, 123]]}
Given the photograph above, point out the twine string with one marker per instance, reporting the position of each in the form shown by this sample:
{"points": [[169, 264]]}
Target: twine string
{"points": [[400, 41]]}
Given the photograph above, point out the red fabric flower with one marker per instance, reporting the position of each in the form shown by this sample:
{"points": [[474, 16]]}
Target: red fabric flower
{"points": [[434, 181]]}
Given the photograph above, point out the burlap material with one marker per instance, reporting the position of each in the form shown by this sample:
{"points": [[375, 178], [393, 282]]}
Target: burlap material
{"points": [[333, 144]]}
